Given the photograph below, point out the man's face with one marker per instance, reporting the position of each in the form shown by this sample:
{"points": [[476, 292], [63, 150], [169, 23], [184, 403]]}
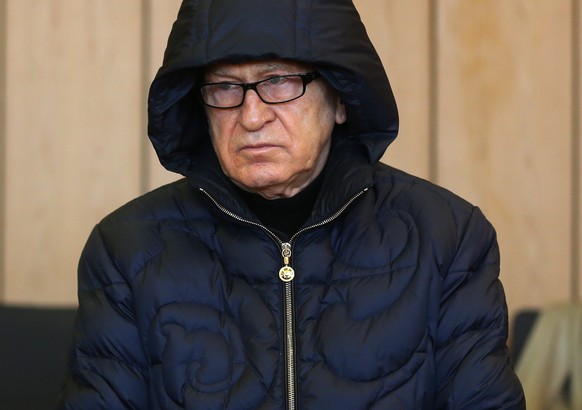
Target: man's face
{"points": [[274, 150]]}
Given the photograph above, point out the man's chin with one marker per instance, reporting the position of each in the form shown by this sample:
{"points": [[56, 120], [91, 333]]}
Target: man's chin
{"points": [[270, 181], [267, 188]]}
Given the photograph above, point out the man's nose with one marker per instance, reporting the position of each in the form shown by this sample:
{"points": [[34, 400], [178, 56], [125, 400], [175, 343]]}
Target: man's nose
{"points": [[254, 113]]}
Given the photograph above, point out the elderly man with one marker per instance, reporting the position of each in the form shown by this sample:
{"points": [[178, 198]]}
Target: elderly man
{"points": [[289, 269]]}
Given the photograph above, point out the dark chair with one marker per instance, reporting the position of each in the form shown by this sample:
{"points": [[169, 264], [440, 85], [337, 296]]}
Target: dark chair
{"points": [[522, 326], [34, 343]]}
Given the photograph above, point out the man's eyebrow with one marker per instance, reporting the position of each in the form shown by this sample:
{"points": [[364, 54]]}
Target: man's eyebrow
{"points": [[266, 67], [213, 71], [273, 66]]}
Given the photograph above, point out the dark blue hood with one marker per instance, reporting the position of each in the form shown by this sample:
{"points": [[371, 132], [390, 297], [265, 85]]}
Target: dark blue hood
{"points": [[325, 33]]}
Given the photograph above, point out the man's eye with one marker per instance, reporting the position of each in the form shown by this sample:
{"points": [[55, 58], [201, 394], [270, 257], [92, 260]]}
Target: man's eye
{"points": [[225, 86], [275, 80]]}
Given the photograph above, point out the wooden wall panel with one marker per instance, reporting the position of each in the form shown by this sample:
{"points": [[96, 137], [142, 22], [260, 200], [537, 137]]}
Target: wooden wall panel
{"points": [[577, 248], [3, 19], [504, 105], [73, 144], [577, 171], [72, 128], [400, 31]]}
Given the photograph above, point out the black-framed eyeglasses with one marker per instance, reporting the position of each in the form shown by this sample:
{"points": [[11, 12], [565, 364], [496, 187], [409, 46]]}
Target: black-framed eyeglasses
{"points": [[273, 90]]}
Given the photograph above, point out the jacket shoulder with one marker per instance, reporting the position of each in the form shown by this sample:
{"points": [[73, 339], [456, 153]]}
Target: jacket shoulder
{"points": [[138, 231], [163, 203], [405, 187], [455, 228]]}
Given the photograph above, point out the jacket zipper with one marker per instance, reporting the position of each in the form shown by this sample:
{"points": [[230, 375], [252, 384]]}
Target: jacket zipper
{"points": [[286, 275]]}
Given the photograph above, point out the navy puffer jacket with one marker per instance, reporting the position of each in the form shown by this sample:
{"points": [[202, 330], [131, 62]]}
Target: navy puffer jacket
{"points": [[395, 303]]}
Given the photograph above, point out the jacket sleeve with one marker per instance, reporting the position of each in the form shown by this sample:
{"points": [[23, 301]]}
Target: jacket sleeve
{"points": [[472, 359], [107, 365]]}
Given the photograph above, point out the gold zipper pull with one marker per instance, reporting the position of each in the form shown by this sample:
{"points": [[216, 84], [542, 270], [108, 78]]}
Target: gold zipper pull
{"points": [[286, 273]]}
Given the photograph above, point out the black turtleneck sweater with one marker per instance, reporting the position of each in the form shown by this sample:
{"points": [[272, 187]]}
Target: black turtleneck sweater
{"points": [[285, 215]]}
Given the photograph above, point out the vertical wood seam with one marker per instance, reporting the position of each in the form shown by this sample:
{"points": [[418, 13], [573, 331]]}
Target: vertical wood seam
{"points": [[433, 90], [146, 31], [576, 162], [3, 147]]}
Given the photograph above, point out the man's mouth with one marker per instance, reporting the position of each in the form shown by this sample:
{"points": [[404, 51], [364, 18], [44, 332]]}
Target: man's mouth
{"points": [[259, 148]]}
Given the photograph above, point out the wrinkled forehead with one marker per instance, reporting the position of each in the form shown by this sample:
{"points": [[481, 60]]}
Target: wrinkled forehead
{"points": [[256, 68]]}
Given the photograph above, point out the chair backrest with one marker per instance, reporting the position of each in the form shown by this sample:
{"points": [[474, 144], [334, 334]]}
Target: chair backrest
{"points": [[34, 344], [550, 366]]}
